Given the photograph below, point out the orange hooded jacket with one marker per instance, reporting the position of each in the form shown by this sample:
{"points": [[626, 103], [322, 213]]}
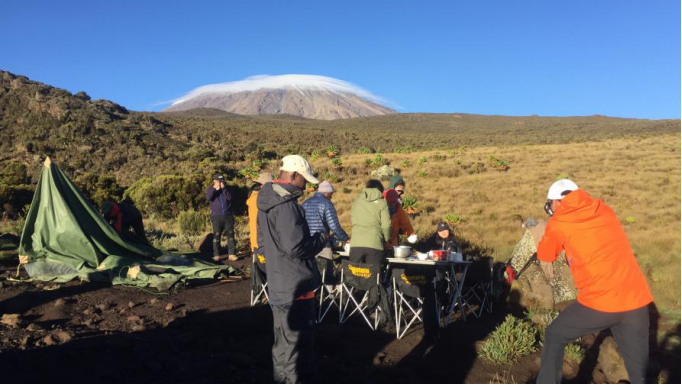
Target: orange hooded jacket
{"points": [[604, 268], [253, 215]]}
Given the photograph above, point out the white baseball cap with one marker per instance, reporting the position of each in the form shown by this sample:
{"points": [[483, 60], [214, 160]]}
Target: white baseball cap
{"points": [[296, 163], [559, 187]]}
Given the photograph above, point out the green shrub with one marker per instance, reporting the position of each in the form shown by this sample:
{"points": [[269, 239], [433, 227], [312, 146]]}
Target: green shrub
{"points": [[453, 219], [630, 219], [498, 164], [337, 163], [332, 151], [439, 157], [314, 155], [369, 162], [168, 195], [193, 222], [331, 177], [562, 176], [248, 173], [513, 339], [422, 174], [406, 163], [410, 205], [422, 160], [364, 150], [574, 352], [99, 187], [397, 150], [378, 160], [13, 173]]}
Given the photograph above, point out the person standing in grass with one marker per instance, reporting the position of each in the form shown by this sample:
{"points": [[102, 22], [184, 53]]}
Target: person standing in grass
{"points": [[612, 291], [321, 216], [222, 218], [290, 249], [371, 225]]}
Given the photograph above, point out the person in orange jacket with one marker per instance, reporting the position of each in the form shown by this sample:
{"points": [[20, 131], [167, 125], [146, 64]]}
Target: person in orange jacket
{"points": [[400, 222], [263, 178], [612, 291]]}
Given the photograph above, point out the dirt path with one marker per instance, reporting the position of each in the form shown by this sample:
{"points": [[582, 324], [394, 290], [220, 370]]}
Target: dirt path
{"points": [[86, 332]]}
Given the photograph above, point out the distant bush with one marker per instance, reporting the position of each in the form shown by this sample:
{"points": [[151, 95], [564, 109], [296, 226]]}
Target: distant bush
{"points": [[422, 174], [332, 151], [498, 164], [422, 160], [314, 155], [453, 219], [562, 176], [193, 222], [630, 219], [406, 163], [168, 195], [513, 339], [248, 173], [331, 177], [258, 164], [410, 205], [364, 150], [310, 187], [13, 173], [99, 187], [337, 163], [439, 157]]}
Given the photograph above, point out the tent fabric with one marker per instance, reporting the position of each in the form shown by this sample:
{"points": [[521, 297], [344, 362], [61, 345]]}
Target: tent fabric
{"points": [[65, 237]]}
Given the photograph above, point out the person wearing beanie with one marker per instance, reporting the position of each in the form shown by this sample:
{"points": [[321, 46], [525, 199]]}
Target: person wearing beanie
{"points": [[443, 239], [398, 184], [222, 218], [400, 222], [321, 217]]}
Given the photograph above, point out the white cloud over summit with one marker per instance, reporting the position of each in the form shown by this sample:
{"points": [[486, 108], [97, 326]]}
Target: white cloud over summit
{"points": [[300, 82]]}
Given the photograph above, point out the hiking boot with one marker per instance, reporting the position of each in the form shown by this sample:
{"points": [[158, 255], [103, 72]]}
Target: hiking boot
{"points": [[232, 257]]}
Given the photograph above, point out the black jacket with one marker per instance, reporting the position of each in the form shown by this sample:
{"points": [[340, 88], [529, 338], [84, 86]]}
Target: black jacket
{"points": [[289, 248], [438, 243]]}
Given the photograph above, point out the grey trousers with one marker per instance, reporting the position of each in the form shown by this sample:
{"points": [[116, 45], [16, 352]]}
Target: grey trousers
{"points": [[293, 353], [630, 330]]}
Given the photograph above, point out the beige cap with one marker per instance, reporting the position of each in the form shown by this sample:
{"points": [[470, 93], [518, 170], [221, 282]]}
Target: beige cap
{"points": [[296, 163], [264, 178]]}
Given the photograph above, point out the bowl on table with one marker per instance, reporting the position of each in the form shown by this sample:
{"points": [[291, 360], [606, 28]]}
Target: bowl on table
{"points": [[402, 251]]}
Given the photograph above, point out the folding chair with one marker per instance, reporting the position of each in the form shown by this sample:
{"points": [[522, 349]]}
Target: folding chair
{"points": [[410, 287], [356, 279], [330, 288], [259, 283], [478, 290]]}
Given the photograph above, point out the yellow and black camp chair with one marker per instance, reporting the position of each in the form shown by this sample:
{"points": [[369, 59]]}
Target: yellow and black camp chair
{"points": [[358, 280], [259, 279], [330, 288], [410, 288]]}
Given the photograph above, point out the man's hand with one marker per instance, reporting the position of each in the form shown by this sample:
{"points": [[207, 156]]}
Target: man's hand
{"points": [[222, 185], [548, 269], [216, 185]]}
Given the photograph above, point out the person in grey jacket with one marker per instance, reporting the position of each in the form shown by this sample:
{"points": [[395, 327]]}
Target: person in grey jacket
{"points": [[321, 216], [292, 270], [222, 218]]}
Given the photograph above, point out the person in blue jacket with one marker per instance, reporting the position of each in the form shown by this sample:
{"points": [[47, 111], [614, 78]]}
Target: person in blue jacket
{"points": [[222, 218], [321, 216]]}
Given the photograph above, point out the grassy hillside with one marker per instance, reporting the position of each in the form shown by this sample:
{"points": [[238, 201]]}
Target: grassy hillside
{"points": [[163, 161]]}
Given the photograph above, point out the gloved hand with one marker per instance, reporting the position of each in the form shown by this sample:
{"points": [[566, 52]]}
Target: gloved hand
{"points": [[412, 238]]}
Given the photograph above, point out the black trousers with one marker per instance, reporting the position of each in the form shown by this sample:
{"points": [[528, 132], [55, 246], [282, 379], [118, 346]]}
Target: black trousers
{"points": [[293, 353], [366, 255], [630, 330], [223, 223]]}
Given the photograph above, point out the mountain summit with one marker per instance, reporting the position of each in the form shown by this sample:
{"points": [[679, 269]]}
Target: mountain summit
{"points": [[309, 96]]}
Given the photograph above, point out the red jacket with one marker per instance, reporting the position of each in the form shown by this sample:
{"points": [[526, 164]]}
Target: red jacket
{"points": [[604, 268]]}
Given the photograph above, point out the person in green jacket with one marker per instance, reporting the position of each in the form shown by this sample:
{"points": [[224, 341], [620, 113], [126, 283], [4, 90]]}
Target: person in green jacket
{"points": [[371, 225]]}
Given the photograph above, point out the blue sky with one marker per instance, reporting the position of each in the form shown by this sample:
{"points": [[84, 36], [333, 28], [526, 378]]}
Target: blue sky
{"points": [[560, 58]]}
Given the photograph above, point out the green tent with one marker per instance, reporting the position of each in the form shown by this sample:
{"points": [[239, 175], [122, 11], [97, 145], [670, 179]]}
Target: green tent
{"points": [[65, 237]]}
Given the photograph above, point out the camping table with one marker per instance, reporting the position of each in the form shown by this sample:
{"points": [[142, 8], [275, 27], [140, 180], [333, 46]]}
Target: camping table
{"points": [[454, 285]]}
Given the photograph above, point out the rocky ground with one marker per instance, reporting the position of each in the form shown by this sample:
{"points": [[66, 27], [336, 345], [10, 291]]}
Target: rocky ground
{"points": [[87, 332]]}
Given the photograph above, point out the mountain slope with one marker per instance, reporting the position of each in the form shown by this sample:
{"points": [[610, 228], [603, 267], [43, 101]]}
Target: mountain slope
{"points": [[307, 96]]}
